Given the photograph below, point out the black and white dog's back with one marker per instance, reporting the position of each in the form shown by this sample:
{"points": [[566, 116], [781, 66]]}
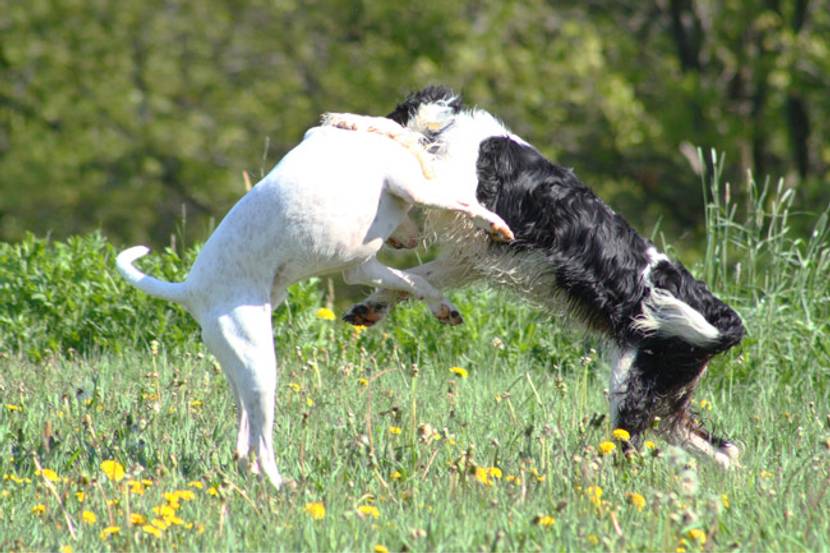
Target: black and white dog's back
{"points": [[570, 249]]}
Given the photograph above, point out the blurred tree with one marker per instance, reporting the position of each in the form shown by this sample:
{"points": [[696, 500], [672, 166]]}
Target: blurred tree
{"points": [[116, 115]]}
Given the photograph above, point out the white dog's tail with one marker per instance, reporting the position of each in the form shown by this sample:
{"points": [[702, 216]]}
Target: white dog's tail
{"points": [[173, 291]]}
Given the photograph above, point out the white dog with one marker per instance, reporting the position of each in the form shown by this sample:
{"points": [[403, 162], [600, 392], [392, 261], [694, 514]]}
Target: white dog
{"points": [[328, 206]]}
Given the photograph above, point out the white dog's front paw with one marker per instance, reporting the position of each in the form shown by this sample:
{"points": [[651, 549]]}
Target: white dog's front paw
{"points": [[495, 227]]}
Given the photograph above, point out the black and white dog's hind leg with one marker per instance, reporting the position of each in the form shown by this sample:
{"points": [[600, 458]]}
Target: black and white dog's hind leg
{"points": [[656, 374]]}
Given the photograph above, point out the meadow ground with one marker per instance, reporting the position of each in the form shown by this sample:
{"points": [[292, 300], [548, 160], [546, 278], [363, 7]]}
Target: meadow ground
{"points": [[411, 436]]}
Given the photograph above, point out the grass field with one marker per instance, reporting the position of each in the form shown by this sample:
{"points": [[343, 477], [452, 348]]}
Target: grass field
{"points": [[414, 436]]}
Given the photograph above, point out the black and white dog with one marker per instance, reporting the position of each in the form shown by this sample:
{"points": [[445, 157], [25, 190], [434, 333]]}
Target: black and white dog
{"points": [[571, 250]]}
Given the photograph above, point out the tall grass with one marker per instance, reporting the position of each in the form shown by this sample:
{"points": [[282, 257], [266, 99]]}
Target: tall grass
{"points": [[389, 448]]}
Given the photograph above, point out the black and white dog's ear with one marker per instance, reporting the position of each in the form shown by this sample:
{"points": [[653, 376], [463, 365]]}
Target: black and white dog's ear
{"points": [[440, 95]]}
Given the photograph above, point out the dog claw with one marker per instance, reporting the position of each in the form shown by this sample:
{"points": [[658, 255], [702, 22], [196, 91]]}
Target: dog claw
{"points": [[501, 233], [365, 314]]}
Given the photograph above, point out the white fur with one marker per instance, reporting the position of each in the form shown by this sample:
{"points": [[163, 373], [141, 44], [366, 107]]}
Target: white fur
{"points": [[621, 363], [328, 206], [665, 315]]}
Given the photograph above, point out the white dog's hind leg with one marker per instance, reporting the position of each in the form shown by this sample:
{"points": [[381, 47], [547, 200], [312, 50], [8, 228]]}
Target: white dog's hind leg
{"points": [[442, 273], [374, 273], [241, 339]]}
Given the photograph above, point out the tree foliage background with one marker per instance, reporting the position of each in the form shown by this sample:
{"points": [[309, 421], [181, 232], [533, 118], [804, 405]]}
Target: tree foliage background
{"points": [[115, 114]]}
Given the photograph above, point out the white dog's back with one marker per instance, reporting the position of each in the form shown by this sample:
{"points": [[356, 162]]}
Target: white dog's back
{"points": [[321, 208]]}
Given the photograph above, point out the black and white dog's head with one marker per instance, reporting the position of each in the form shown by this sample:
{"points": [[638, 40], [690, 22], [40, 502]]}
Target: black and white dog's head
{"points": [[663, 324]]}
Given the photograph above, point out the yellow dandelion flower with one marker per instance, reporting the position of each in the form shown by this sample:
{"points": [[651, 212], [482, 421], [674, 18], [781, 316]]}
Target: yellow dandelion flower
{"points": [[296, 387], [173, 520], [544, 521], [109, 531], [621, 434], [66, 549], [637, 500], [197, 404], [48, 474], [606, 447], [325, 314], [483, 475], [13, 407], [80, 496], [459, 372], [649, 444], [363, 381], [697, 535], [161, 524], [396, 430], [146, 482], [213, 491], [89, 517], [185, 495], [724, 499], [357, 330], [113, 470], [39, 509], [680, 549], [137, 519], [705, 404], [494, 472], [366, 511], [196, 484], [164, 510], [316, 510], [136, 487], [593, 539], [152, 530], [309, 402], [380, 549], [396, 475], [594, 494]]}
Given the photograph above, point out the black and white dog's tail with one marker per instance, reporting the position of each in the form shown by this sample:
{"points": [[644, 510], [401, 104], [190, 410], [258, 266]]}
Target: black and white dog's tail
{"points": [[666, 316]]}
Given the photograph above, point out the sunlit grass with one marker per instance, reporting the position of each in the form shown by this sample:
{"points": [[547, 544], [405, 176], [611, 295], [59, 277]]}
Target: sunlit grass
{"points": [[135, 451]]}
